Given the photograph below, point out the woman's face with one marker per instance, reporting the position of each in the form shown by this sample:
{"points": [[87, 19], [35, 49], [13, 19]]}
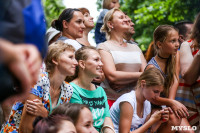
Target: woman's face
{"points": [[114, 4], [67, 127], [119, 22], [88, 20], [85, 122], [75, 27], [170, 45], [150, 93], [67, 63], [93, 64]]}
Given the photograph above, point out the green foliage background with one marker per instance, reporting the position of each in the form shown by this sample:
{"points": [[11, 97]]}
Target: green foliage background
{"points": [[146, 14]]}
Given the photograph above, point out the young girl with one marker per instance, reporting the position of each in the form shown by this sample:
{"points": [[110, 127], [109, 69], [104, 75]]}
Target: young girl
{"points": [[166, 45], [107, 5], [131, 109], [80, 114], [89, 67]]}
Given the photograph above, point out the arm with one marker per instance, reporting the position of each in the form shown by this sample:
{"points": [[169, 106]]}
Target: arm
{"points": [[126, 115], [189, 65], [108, 122], [179, 109], [27, 118], [112, 74]]}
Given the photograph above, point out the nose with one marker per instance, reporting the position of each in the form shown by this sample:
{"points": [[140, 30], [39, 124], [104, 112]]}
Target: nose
{"points": [[75, 62], [82, 25], [177, 44], [100, 63]]}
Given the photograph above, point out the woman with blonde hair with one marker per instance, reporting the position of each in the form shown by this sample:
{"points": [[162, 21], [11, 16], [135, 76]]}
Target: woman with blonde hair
{"points": [[50, 90], [107, 5], [123, 62]]}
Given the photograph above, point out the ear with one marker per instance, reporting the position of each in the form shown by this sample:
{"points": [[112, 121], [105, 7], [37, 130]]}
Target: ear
{"points": [[81, 63], [143, 83], [55, 62], [159, 44], [181, 38], [110, 24], [65, 24]]}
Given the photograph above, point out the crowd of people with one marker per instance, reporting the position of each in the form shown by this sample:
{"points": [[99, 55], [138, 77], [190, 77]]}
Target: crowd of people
{"points": [[74, 87]]}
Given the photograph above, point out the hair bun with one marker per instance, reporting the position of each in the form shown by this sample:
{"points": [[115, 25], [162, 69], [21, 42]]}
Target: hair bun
{"points": [[57, 24]]}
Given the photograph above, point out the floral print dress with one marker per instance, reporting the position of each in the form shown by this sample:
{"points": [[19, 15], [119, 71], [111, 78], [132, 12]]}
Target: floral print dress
{"points": [[42, 91]]}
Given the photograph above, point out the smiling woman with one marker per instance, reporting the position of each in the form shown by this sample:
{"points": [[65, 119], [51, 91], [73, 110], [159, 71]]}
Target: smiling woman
{"points": [[70, 23], [89, 67]]}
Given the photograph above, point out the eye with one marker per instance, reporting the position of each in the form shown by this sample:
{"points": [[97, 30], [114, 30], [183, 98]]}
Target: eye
{"points": [[156, 91]]}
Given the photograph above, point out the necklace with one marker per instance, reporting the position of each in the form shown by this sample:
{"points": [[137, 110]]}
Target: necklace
{"points": [[119, 43], [162, 57]]}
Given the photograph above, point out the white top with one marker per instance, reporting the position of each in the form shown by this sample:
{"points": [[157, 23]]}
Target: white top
{"points": [[74, 43], [136, 120], [127, 59]]}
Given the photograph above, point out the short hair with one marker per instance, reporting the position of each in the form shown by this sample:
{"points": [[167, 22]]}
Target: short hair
{"points": [[66, 15], [181, 26], [108, 17], [70, 109], [84, 10], [54, 52], [106, 4], [50, 124]]}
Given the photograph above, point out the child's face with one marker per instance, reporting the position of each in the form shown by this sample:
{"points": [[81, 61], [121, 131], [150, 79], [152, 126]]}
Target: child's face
{"points": [[85, 122], [171, 44], [150, 93], [114, 4]]}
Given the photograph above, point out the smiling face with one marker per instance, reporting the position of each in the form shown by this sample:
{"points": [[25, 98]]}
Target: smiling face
{"points": [[93, 64], [75, 28], [85, 122], [67, 127], [170, 44], [88, 20], [119, 22], [67, 63]]}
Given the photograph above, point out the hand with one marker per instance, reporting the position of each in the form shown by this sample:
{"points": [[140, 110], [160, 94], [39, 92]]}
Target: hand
{"points": [[179, 109], [165, 114], [156, 116], [99, 79], [36, 108], [24, 62]]}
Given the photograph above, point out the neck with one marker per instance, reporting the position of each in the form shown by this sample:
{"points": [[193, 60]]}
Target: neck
{"points": [[84, 39], [68, 36], [84, 81], [56, 79], [162, 57], [139, 96]]}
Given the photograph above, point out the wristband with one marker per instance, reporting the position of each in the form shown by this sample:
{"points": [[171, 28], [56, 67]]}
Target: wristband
{"points": [[107, 126]]}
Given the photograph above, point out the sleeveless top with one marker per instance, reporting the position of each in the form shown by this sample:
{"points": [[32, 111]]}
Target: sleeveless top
{"points": [[72, 42], [136, 120]]}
